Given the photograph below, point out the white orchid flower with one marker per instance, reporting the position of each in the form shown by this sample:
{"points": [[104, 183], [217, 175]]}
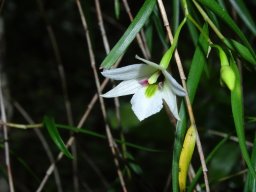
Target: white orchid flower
{"points": [[150, 83]]}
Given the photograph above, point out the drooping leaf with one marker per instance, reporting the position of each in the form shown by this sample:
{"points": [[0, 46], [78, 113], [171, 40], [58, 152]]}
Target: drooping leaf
{"points": [[223, 15], [238, 116], [244, 13], [197, 66], [55, 136], [241, 50], [159, 27], [123, 43], [250, 184]]}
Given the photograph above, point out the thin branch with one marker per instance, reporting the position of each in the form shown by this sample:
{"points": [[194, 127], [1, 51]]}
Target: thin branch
{"points": [[43, 142], [192, 175], [112, 144], [116, 99], [188, 103], [62, 75], [6, 143], [232, 138]]}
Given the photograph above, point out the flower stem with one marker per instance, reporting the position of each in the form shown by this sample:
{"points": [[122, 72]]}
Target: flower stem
{"points": [[188, 103], [209, 21]]}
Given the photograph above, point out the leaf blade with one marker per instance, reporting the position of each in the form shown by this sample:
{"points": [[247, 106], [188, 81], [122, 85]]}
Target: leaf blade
{"points": [[222, 14], [123, 43], [238, 116], [55, 136]]}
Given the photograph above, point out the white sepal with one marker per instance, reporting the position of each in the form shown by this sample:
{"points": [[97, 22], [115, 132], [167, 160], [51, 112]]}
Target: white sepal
{"points": [[136, 71], [124, 88], [174, 85], [170, 99]]}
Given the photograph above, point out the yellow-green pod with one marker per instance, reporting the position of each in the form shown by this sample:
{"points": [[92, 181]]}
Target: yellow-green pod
{"points": [[186, 155], [228, 76]]}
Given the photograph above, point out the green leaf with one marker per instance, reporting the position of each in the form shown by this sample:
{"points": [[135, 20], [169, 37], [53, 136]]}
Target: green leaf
{"points": [[238, 115], [95, 134], [250, 184], [123, 43], [117, 8], [244, 13], [220, 12], [159, 27], [53, 132], [241, 50], [197, 66], [175, 14]]}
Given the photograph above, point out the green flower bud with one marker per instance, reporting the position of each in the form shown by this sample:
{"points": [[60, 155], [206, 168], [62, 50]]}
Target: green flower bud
{"points": [[226, 72], [228, 76]]}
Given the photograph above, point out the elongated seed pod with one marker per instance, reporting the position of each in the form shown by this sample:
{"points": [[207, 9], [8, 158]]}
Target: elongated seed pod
{"points": [[186, 155]]}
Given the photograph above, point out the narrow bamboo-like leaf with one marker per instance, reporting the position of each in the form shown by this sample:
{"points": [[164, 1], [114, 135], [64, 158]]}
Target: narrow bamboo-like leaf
{"points": [[149, 35], [200, 170], [244, 13], [222, 14], [97, 135], [117, 8], [159, 27], [250, 184], [175, 14], [123, 43], [238, 115], [53, 132], [241, 50], [197, 66], [193, 32]]}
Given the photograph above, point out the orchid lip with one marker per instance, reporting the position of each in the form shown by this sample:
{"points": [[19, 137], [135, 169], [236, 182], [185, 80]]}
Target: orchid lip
{"points": [[144, 82]]}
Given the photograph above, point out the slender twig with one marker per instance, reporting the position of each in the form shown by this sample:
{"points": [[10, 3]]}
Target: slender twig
{"points": [[116, 100], [209, 21], [233, 175], [62, 75], [188, 103], [6, 143], [101, 26], [192, 175], [71, 139], [43, 142], [232, 138], [141, 41], [102, 104]]}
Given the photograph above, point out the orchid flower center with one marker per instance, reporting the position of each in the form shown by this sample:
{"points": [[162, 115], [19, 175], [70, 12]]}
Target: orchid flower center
{"points": [[150, 90], [156, 78], [154, 83]]}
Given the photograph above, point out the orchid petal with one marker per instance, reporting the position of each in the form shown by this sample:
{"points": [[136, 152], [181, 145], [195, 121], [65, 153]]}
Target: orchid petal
{"points": [[174, 85], [136, 71], [124, 88], [144, 106], [170, 99]]}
